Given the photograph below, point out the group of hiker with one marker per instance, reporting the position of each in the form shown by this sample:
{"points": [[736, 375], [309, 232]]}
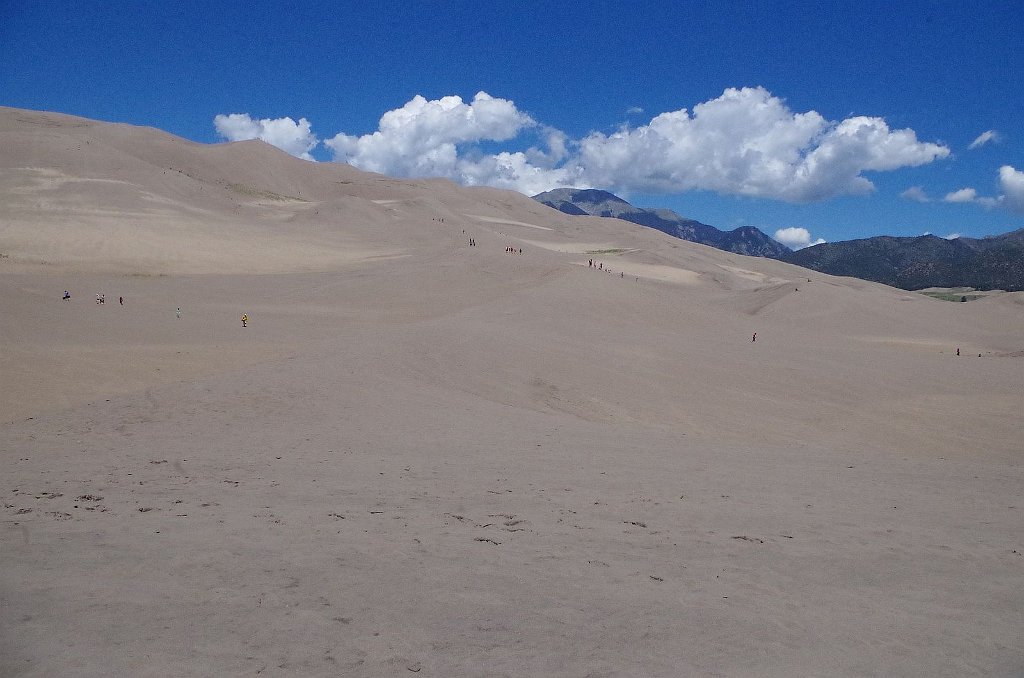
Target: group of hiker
{"points": [[101, 298]]}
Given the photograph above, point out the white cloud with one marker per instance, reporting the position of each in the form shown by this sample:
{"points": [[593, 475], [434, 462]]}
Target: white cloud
{"points": [[951, 236], [292, 137], [745, 142], [984, 138], [915, 193], [1011, 181], [423, 138], [796, 238], [748, 142], [963, 195], [969, 195]]}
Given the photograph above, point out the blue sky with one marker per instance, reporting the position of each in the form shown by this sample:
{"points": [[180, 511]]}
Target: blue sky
{"points": [[845, 119]]}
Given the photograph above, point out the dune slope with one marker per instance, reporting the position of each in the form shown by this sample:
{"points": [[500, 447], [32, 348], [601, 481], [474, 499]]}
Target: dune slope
{"points": [[426, 456]]}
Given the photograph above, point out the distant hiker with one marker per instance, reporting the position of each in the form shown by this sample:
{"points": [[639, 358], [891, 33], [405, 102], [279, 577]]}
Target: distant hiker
{"points": [[622, 274], [754, 338], [958, 351], [590, 263], [120, 300], [67, 295], [177, 312], [245, 320]]}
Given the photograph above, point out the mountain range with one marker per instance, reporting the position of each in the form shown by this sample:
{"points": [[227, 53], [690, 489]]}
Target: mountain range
{"points": [[911, 263], [744, 240], [995, 262]]}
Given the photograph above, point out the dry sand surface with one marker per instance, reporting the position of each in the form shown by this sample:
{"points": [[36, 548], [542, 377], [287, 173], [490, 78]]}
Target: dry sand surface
{"points": [[423, 457]]}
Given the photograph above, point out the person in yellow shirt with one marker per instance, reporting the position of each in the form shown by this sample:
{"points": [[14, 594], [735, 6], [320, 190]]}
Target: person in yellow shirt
{"points": [[245, 319]]}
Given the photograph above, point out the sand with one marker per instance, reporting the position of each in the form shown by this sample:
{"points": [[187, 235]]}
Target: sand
{"points": [[425, 457]]}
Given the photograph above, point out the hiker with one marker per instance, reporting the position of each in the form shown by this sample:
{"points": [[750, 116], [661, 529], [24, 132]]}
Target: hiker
{"points": [[754, 338], [245, 319], [120, 300], [177, 312], [67, 295], [958, 351]]}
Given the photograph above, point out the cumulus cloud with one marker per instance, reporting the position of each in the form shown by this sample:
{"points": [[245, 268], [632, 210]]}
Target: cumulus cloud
{"points": [[748, 142], [796, 238], [1011, 181], [951, 236], [963, 195], [1011, 197], [292, 137], [970, 195], [984, 138], [745, 142], [431, 138], [915, 193]]}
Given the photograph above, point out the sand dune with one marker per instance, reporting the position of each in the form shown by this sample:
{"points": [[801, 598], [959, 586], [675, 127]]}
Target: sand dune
{"points": [[426, 457]]}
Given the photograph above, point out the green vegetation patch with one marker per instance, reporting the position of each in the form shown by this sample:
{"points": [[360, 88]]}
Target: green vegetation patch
{"points": [[617, 250], [260, 193], [954, 296]]}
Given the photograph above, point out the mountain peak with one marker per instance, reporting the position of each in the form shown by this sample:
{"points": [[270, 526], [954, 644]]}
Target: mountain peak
{"points": [[577, 196], [747, 240]]}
